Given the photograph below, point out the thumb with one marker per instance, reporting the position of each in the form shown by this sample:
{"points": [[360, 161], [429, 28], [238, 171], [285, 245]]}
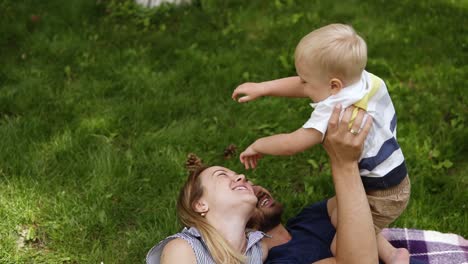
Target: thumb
{"points": [[244, 99]]}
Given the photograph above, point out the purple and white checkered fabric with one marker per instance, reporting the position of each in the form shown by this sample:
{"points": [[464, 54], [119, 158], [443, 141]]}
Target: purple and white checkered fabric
{"points": [[430, 246]]}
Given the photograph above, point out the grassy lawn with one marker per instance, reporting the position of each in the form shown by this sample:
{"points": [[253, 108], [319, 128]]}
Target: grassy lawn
{"points": [[100, 102]]}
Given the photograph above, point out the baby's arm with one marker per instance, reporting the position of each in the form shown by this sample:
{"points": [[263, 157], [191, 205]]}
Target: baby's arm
{"points": [[280, 145], [285, 87]]}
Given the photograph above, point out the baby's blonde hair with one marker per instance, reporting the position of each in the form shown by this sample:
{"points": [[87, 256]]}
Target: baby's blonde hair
{"points": [[336, 49]]}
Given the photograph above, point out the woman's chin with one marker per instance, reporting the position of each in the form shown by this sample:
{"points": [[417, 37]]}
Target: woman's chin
{"points": [[245, 202]]}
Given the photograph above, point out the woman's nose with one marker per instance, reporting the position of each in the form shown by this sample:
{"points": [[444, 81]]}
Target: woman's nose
{"points": [[240, 177]]}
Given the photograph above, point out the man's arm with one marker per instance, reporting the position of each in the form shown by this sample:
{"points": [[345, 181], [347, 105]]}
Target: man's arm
{"points": [[285, 87], [356, 242], [280, 145]]}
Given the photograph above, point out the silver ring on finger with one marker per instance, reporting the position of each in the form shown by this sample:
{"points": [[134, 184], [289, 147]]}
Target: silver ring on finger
{"points": [[354, 132]]}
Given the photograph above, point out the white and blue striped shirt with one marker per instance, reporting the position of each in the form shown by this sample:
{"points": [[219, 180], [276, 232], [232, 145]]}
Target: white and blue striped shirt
{"points": [[382, 164], [253, 250]]}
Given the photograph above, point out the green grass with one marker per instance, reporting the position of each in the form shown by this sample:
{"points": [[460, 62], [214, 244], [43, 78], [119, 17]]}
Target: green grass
{"points": [[100, 103]]}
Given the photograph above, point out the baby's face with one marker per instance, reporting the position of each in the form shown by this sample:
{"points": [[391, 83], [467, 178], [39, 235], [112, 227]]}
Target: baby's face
{"points": [[317, 86]]}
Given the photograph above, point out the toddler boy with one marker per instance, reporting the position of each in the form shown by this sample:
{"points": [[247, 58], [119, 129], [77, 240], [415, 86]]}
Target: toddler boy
{"points": [[330, 64]]}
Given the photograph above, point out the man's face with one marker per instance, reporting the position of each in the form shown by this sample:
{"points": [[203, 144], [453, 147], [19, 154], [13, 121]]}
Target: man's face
{"points": [[268, 212]]}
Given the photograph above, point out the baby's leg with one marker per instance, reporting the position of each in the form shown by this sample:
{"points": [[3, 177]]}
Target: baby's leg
{"points": [[389, 254], [386, 206]]}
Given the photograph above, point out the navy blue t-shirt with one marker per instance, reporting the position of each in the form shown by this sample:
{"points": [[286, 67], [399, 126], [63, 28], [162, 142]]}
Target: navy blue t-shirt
{"points": [[312, 234]]}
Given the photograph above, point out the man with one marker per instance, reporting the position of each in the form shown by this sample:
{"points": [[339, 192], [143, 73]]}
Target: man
{"points": [[305, 239], [308, 236]]}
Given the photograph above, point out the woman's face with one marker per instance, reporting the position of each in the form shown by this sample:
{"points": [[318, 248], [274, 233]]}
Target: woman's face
{"points": [[224, 190]]}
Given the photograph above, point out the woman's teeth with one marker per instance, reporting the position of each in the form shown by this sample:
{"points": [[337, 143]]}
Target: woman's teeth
{"points": [[264, 202], [240, 188]]}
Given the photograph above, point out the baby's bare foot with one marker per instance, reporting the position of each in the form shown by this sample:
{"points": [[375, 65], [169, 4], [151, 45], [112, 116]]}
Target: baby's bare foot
{"points": [[401, 256]]}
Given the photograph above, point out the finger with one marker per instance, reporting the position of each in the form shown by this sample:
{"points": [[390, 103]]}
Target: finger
{"points": [[335, 116], [256, 161], [365, 129], [234, 95], [257, 158], [344, 123], [252, 163], [347, 114], [246, 163], [358, 120], [237, 92], [244, 99]]}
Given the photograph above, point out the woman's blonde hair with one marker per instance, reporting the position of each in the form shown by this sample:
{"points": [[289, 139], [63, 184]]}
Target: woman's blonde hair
{"points": [[336, 49], [190, 193]]}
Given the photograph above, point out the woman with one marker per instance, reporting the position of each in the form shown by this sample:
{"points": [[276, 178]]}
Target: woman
{"points": [[216, 203]]}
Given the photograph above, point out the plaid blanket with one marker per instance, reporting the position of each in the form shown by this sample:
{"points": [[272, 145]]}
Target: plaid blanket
{"points": [[429, 246]]}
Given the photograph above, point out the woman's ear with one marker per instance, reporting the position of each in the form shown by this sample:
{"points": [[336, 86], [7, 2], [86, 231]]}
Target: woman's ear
{"points": [[336, 85], [201, 206]]}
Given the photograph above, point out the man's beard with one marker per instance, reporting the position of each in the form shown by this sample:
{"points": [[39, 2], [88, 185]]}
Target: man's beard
{"points": [[265, 221]]}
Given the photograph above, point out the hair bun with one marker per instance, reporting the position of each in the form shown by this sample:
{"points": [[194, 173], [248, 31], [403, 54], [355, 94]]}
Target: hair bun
{"points": [[193, 162]]}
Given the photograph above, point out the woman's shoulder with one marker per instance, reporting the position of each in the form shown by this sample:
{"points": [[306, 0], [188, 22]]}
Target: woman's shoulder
{"points": [[177, 244], [257, 249], [180, 245], [178, 250]]}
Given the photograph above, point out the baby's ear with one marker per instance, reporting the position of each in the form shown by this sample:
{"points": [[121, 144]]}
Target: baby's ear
{"points": [[336, 85]]}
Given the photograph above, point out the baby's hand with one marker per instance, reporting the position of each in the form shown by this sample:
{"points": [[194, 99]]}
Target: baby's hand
{"points": [[250, 90], [250, 157]]}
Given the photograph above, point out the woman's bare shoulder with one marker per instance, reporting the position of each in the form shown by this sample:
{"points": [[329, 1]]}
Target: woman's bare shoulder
{"points": [[178, 251]]}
